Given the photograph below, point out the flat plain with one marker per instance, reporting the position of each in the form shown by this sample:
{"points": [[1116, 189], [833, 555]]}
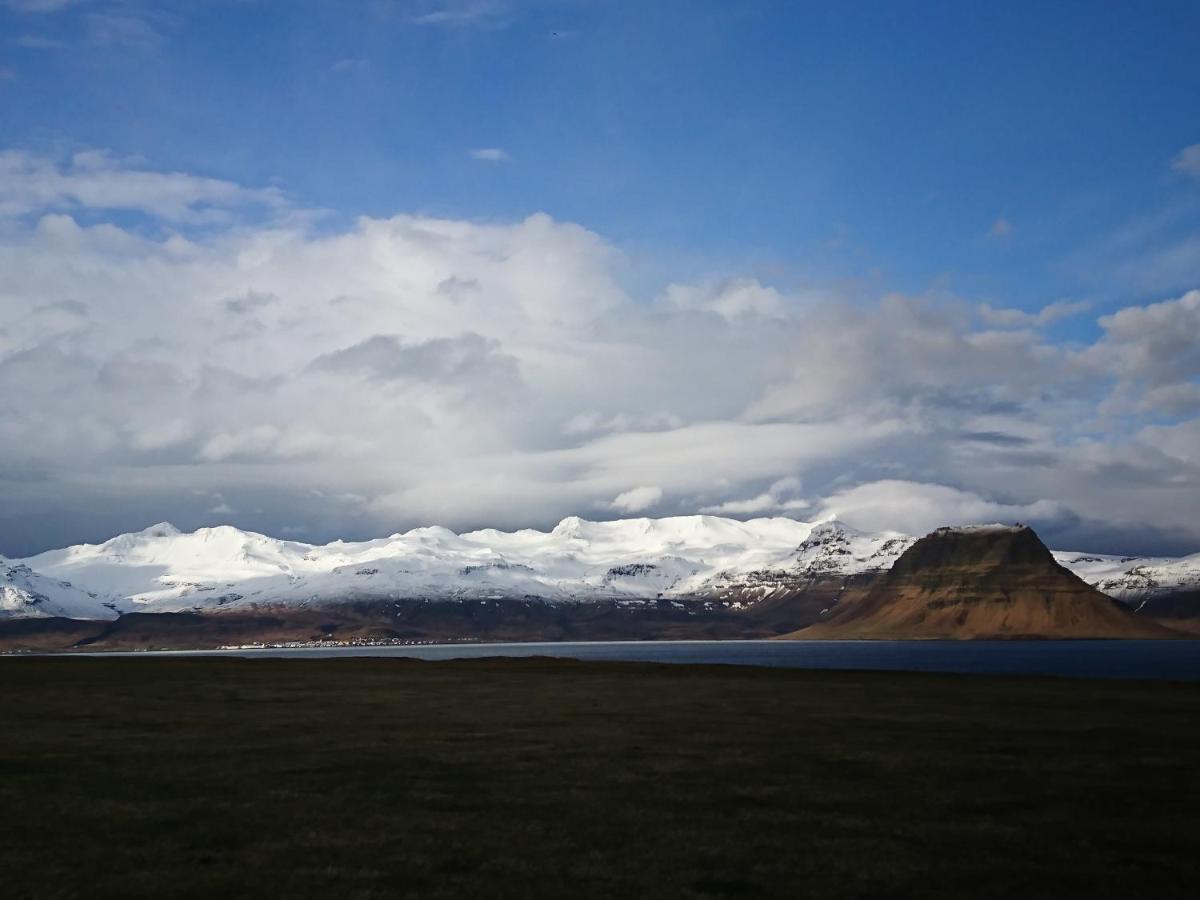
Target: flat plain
{"points": [[520, 778]]}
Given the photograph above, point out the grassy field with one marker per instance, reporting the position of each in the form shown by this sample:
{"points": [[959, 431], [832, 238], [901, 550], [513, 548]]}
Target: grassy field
{"points": [[524, 778]]}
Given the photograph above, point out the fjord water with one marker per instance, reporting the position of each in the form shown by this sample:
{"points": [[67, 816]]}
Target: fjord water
{"points": [[1077, 658]]}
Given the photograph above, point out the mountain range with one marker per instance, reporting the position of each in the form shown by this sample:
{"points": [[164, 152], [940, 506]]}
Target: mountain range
{"points": [[679, 576]]}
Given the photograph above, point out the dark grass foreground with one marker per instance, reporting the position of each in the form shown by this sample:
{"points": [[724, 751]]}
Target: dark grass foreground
{"points": [[515, 778]]}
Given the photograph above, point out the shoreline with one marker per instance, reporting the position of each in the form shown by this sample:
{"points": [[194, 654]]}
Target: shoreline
{"points": [[1111, 659]]}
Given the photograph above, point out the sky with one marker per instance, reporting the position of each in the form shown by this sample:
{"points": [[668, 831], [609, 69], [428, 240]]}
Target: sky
{"points": [[339, 269]]}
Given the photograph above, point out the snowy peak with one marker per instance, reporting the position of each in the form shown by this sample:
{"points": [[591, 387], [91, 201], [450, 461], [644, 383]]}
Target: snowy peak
{"points": [[160, 562], [162, 529], [570, 528], [834, 548]]}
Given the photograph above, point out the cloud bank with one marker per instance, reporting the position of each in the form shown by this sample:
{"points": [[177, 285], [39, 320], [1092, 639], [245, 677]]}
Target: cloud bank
{"points": [[221, 358]]}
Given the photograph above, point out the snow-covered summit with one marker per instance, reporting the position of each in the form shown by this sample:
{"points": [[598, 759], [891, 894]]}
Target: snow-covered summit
{"points": [[832, 547], [986, 528]]}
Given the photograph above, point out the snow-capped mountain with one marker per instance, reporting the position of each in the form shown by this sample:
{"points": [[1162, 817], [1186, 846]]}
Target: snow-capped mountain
{"points": [[832, 551], [161, 569], [834, 548], [25, 593], [1134, 579]]}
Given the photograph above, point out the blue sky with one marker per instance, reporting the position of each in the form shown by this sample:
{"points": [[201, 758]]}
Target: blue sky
{"points": [[799, 163], [810, 141]]}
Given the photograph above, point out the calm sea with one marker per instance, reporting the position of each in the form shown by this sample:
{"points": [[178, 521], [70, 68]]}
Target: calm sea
{"points": [[1086, 659]]}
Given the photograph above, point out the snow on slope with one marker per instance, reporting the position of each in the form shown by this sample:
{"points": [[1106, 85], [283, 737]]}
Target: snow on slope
{"points": [[1134, 579], [161, 569], [25, 593], [833, 548]]}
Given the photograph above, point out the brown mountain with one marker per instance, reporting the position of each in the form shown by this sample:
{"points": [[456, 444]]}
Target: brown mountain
{"points": [[980, 582]]}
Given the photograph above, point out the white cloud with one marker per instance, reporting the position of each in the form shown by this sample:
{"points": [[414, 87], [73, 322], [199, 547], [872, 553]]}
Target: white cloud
{"points": [[1154, 352], [592, 423], [1180, 442], [905, 353], [780, 497], [349, 64], [468, 373], [467, 361], [94, 180], [463, 13], [729, 299], [123, 27], [1187, 161], [916, 508], [637, 499], [1167, 264], [1047, 315], [41, 6], [490, 154]]}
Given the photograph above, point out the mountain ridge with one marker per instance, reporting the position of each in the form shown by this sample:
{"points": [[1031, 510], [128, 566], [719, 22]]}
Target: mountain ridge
{"points": [[790, 572], [163, 569]]}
